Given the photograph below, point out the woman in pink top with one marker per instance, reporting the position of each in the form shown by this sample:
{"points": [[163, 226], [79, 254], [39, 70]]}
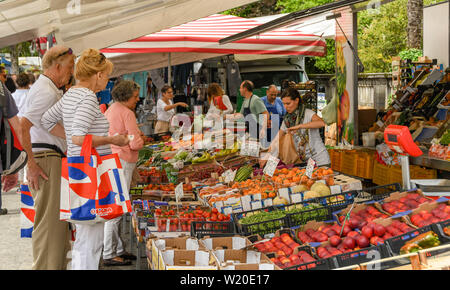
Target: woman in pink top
{"points": [[122, 121]]}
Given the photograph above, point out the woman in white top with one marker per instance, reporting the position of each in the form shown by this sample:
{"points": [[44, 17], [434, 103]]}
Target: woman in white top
{"points": [[304, 125], [219, 103], [80, 112], [20, 95], [165, 109]]}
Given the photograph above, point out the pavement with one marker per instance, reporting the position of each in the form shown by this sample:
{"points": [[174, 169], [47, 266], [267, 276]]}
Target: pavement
{"points": [[16, 252]]}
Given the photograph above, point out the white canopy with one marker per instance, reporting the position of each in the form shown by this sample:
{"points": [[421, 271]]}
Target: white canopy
{"points": [[80, 24]]}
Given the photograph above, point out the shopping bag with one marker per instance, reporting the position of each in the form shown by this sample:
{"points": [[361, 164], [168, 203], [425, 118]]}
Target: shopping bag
{"points": [[93, 187], [287, 152], [27, 212]]}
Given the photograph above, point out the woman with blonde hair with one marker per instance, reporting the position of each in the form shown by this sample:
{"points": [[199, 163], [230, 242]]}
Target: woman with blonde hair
{"points": [[80, 112]]}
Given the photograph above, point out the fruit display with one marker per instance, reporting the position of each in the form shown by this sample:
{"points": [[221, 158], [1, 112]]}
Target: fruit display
{"points": [[422, 218], [243, 173], [407, 202], [171, 220], [360, 216], [295, 176], [169, 187]]}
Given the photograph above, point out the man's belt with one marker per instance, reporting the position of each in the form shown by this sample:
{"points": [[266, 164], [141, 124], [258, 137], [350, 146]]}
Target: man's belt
{"points": [[49, 146]]}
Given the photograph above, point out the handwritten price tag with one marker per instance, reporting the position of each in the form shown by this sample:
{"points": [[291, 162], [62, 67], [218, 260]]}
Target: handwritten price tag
{"points": [[271, 165], [229, 175], [179, 192], [310, 167]]}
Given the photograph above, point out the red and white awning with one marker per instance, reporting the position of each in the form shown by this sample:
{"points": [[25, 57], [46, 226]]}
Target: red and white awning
{"points": [[203, 35]]}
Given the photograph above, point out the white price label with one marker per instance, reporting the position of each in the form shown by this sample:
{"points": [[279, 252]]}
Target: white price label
{"points": [[271, 165], [380, 123], [250, 148], [229, 175], [179, 192], [310, 167]]}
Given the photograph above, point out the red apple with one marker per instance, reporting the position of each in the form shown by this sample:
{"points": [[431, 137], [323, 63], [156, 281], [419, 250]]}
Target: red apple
{"points": [[349, 243], [352, 234], [335, 240], [367, 232], [379, 230], [362, 241], [376, 240]]}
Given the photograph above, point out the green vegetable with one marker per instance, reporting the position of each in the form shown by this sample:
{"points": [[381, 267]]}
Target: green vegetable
{"points": [[144, 155], [423, 241], [445, 139]]}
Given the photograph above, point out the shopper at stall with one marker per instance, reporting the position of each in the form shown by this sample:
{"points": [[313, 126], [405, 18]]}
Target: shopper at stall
{"points": [[165, 109], [304, 125], [8, 181], [80, 112], [276, 109], [23, 83], [251, 110], [50, 238], [122, 120], [219, 103]]}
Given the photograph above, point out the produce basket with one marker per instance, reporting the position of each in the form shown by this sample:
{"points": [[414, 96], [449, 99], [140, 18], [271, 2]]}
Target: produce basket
{"points": [[201, 229], [336, 159], [349, 162], [364, 164], [299, 217], [262, 221], [395, 174], [377, 192], [380, 174]]}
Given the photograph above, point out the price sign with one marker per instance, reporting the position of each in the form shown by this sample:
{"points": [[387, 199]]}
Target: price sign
{"points": [[271, 165], [179, 192], [310, 167], [229, 175], [250, 148]]}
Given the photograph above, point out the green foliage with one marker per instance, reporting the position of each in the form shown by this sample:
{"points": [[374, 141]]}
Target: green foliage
{"points": [[412, 54]]}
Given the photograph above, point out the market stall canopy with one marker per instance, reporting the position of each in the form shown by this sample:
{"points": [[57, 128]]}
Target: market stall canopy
{"points": [[199, 40], [99, 23]]}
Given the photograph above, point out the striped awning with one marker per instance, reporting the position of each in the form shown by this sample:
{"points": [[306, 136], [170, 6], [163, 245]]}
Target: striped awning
{"points": [[203, 35]]}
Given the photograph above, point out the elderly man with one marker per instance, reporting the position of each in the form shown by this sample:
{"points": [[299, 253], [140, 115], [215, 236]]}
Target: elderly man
{"points": [[276, 109], [50, 237]]}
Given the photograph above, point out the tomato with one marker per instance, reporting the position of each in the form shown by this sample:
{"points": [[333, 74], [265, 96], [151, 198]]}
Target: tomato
{"points": [[214, 210]]}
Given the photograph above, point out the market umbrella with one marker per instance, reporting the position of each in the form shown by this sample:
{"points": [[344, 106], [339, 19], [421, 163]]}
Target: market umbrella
{"points": [[199, 39]]}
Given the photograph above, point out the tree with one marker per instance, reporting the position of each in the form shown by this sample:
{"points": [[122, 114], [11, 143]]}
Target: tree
{"points": [[415, 20], [22, 49]]}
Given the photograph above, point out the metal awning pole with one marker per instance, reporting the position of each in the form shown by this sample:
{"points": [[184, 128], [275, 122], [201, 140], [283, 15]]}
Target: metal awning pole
{"points": [[169, 70]]}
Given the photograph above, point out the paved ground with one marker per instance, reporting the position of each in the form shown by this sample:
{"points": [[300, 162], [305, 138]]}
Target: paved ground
{"points": [[16, 253]]}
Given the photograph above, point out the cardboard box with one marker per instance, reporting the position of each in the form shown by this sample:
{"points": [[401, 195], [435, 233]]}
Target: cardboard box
{"points": [[187, 260], [180, 243], [227, 258], [231, 243]]}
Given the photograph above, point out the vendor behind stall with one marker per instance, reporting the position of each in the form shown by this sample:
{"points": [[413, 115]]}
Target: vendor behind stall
{"points": [[219, 103], [165, 109], [254, 107], [304, 125], [276, 109]]}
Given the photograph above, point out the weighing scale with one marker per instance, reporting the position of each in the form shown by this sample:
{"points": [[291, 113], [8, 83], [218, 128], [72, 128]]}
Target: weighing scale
{"points": [[399, 140]]}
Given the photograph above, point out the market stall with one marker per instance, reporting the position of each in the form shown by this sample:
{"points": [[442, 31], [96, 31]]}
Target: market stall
{"points": [[421, 104], [216, 209]]}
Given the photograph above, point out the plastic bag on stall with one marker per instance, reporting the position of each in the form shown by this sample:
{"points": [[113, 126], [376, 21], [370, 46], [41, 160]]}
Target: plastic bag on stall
{"points": [[386, 156], [329, 113]]}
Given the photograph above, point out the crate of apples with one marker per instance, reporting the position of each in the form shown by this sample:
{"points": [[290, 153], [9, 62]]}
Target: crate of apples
{"points": [[403, 201], [432, 213], [360, 216], [379, 231]]}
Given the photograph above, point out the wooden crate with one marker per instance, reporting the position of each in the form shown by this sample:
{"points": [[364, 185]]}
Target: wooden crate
{"points": [[364, 164], [349, 162]]}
